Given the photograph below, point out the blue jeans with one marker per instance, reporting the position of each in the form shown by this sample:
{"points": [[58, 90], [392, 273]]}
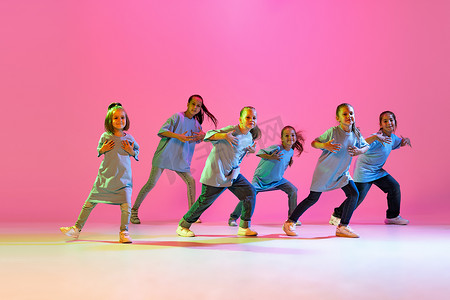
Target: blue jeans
{"points": [[388, 185], [286, 187], [348, 206], [241, 188]]}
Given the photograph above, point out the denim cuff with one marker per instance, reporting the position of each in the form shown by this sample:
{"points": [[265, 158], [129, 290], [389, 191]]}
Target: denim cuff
{"points": [[244, 224], [185, 224]]}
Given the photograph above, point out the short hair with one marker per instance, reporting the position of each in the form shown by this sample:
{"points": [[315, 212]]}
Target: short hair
{"points": [[108, 119]]}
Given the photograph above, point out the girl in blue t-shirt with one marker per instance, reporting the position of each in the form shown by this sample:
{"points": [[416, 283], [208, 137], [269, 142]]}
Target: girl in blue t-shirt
{"points": [[338, 144], [222, 171], [113, 184], [369, 169], [179, 135], [269, 173]]}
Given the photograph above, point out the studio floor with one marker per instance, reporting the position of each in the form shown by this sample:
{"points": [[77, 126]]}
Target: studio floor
{"points": [[387, 262]]}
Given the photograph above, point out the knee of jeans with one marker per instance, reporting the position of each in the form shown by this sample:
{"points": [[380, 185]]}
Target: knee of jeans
{"points": [[396, 186], [355, 195], [253, 192], [293, 190]]}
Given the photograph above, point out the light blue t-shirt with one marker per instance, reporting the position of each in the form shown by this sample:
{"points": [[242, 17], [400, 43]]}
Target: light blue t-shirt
{"points": [[332, 168], [171, 153], [369, 166], [114, 181], [269, 172], [222, 165]]}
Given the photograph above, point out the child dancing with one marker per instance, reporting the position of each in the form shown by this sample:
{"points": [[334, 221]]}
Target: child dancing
{"points": [[222, 171], [114, 183]]}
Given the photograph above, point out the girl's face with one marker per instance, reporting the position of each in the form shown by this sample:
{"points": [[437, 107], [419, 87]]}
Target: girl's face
{"points": [[288, 138], [387, 124], [119, 119], [194, 106], [346, 117], [248, 119]]}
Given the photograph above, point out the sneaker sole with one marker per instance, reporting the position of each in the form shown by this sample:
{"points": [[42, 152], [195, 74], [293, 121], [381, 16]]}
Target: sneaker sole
{"points": [[244, 235], [346, 236], [69, 235], [183, 235]]}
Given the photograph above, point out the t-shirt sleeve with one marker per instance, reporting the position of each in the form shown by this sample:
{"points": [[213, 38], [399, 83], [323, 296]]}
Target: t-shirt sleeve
{"points": [[396, 142], [269, 150], [135, 148], [210, 133], [362, 142], [102, 140], [326, 136], [169, 125]]}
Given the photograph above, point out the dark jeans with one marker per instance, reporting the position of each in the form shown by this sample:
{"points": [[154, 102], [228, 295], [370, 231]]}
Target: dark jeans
{"points": [[348, 206], [286, 187], [241, 188], [388, 185]]}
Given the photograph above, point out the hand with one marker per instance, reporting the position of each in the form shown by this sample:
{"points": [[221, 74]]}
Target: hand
{"points": [[230, 138], [184, 138], [406, 141], [354, 151], [198, 136], [384, 139], [332, 147], [276, 155], [107, 146], [128, 147], [251, 149]]}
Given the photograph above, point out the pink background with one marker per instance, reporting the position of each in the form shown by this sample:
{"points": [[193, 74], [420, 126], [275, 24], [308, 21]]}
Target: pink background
{"points": [[63, 62]]}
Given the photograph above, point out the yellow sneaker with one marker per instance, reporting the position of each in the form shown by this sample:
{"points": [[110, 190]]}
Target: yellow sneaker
{"points": [[124, 237]]}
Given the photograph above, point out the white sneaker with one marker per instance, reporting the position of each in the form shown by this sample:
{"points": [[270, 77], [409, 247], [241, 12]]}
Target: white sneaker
{"points": [[335, 221], [124, 237], [396, 221], [232, 223], [298, 223], [346, 231], [72, 231], [289, 228], [186, 232], [246, 232]]}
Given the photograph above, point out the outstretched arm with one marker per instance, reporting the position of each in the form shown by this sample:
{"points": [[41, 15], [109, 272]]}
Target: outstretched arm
{"points": [[405, 141], [276, 155], [383, 139], [355, 151], [229, 137], [181, 137], [327, 146]]}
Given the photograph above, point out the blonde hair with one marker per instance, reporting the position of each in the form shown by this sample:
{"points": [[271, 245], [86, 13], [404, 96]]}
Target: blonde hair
{"points": [[255, 131]]}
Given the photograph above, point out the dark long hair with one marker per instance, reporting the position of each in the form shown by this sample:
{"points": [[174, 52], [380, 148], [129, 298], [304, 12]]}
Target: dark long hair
{"points": [[200, 116], [393, 116], [108, 119], [298, 145]]}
